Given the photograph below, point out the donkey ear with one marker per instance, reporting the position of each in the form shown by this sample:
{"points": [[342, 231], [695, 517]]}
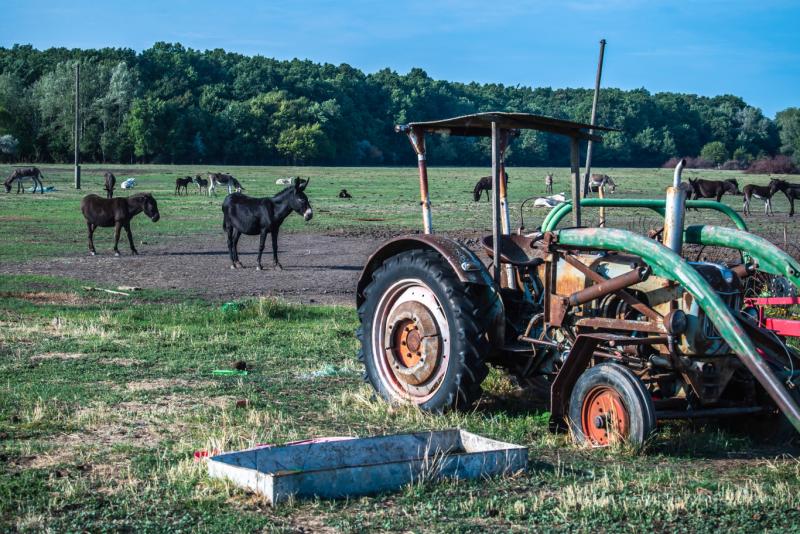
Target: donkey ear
{"points": [[304, 184]]}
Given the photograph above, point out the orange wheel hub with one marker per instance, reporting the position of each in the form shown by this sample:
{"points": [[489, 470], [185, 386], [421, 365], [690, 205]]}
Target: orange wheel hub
{"points": [[604, 418], [412, 344], [408, 343]]}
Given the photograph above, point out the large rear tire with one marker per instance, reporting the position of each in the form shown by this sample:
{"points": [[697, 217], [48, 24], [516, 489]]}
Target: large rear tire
{"points": [[609, 404], [423, 333]]}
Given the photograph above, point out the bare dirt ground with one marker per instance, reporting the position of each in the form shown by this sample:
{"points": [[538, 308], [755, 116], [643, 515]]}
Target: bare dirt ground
{"points": [[317, 268]]}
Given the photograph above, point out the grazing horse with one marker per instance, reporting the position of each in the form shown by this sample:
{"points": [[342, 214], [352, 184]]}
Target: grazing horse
{"points": [[262, 216], [22, 174], [548, 184], [761, 192], [109, 181], [182, 183], [116, 212], [344, 194], [215, 178], [202, 184], [713, 188], [792, 192], [596, 181], [485, 184]]}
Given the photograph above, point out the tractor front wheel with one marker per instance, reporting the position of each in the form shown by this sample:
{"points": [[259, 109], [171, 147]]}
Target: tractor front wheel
{"points": [[609, 404], [423, 333]]}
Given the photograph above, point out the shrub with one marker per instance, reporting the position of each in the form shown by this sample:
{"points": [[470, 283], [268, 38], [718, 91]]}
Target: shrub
{"points": [[776, 165], [733, 165], [714, 152], [691, 163]]}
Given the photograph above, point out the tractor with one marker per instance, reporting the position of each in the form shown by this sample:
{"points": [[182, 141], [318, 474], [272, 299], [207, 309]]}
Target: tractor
{"points": [[615, 329]]}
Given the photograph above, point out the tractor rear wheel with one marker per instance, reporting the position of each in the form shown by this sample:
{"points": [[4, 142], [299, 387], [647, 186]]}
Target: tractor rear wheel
{"points": [[609, 404], [423, 333]]}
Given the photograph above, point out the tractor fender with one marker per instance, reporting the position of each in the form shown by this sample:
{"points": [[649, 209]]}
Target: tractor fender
{"points": [[465, 264]]}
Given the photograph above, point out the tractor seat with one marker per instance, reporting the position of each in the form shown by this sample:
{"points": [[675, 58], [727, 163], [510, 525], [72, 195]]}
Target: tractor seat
{"points": [[518, 250]]}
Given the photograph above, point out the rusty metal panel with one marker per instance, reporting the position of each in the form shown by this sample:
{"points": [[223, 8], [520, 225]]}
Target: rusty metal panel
{"points": [[369, 465]]}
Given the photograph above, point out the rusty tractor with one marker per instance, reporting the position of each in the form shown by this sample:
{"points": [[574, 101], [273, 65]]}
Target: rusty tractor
{"points": [[617, 330]]}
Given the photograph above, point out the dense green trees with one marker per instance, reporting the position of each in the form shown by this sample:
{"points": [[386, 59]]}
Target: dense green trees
{"points": [[176, 105]]}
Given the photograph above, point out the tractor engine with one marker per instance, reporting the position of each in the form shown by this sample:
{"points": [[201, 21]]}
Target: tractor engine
{"points": [[698, 337]]}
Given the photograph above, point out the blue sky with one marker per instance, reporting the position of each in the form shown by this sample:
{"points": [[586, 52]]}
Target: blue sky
{"points": [[747, 48]]}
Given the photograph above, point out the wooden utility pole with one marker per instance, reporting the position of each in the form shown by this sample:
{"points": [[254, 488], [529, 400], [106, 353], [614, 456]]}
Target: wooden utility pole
{"points": [[77, 126], [594, 118]]}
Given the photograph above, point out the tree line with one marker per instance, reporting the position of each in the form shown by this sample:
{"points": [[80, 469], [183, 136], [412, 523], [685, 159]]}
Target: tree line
{"points": [[171, 104]]}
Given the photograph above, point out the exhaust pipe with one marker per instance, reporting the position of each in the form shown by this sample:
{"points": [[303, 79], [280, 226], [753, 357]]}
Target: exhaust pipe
{"points": [[675, 211]]}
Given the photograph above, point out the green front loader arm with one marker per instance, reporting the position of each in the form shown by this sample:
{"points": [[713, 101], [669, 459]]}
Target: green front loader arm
{"points": [[671, 266], [552, 219], [770, 258]]}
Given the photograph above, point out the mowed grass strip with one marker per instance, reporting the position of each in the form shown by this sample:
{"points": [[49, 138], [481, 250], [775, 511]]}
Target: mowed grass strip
{"points": [[385, 199], [105, 398]]}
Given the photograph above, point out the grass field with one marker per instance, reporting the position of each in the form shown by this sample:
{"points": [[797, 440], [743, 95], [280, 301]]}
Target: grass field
{"points": [[105, 398], [388, 197]]}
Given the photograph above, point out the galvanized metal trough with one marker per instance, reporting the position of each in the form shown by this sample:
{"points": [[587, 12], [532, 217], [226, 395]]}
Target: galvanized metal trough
{"points": [[367, 465]]}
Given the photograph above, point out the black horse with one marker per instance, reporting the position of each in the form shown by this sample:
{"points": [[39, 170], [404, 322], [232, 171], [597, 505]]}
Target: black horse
{"points": [[109, 180], [485, 184], [713, 188], [262, 216], [116, 212], [792, 191], [182, 183], [22, 174]]}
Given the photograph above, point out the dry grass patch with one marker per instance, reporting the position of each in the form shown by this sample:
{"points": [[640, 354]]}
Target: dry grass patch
{"points": [[42, 297], [57, 356], [164, 383], [122, 362]]}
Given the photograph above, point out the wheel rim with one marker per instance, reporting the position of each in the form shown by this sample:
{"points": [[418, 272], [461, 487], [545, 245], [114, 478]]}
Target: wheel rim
{"points": [[410, 341], [604, 418]]}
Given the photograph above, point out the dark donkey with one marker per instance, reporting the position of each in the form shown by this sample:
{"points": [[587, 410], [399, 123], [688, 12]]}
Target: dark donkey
{"points": [[116, 212], [182, 183], [792, 191], [484, 184], [110, 180], [262, 216], [22, 174], [762, 192], [713, 188]]}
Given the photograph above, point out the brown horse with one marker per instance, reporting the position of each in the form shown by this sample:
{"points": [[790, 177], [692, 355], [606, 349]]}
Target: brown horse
{"points": [[22, 174], [109, 181], [116, 212], [485, 185]]}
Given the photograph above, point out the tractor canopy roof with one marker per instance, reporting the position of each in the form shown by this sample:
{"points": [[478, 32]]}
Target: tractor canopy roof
{"points": [[480, 125]]}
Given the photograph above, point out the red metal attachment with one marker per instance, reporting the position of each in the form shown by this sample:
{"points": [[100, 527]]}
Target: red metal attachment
{"points": [[782, 327]]}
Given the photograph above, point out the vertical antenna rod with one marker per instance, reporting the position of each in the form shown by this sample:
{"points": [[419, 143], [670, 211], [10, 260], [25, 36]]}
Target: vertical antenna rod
{"points": [[594, 117], [77, 126]]}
